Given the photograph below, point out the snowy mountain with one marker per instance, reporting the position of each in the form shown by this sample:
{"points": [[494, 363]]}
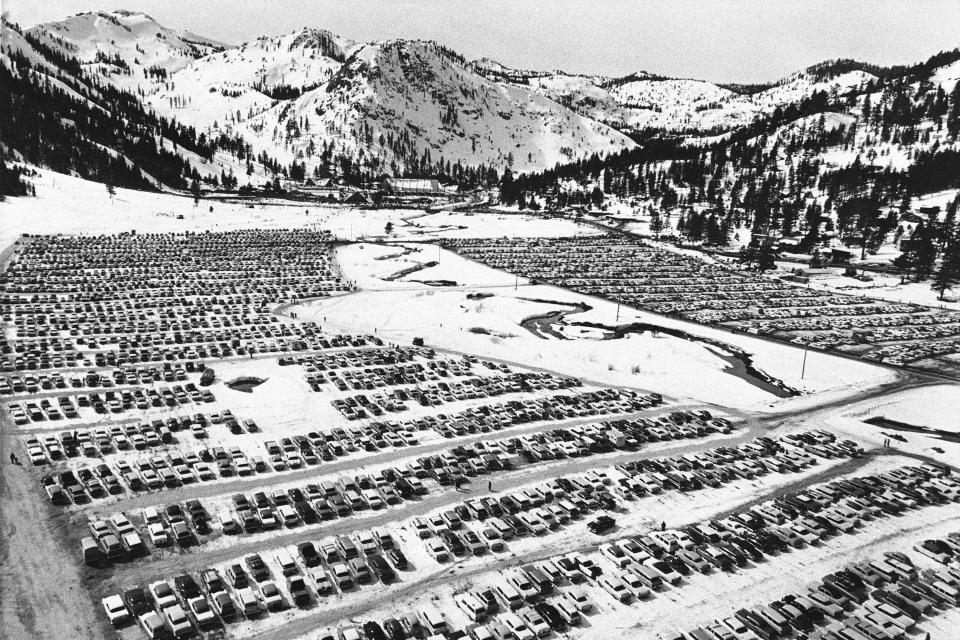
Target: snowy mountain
{"points": [[60, 114], [398, 104], [644, 102], [313, 104], [128, 48]]}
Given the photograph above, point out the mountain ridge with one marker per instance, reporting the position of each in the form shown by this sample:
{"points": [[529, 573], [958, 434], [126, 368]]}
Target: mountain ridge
{"points": [[311, 103]]}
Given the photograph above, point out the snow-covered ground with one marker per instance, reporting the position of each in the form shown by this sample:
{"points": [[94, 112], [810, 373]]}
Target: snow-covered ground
{"points": [[886, 287], [445, 317], [71, 205], [936, 407]]}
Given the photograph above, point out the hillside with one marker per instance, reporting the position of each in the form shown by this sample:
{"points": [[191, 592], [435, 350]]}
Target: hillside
{"points": [[402, 106], [840, 156], [310, 103], [56, 115], [313, 103], [128, 48]]}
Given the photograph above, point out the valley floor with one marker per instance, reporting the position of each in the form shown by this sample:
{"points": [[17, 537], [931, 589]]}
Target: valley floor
{"points": [[406, 287]]}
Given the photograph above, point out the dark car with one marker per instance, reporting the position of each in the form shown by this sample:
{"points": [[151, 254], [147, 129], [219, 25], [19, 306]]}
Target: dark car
{"points": [[186, 586], [601, 524], [258, 568], [298, 591], [137, 601], [381, 567], [373, 631], [549, 613], [397, 558], [309, 554], [237, 576], [394, 629]]}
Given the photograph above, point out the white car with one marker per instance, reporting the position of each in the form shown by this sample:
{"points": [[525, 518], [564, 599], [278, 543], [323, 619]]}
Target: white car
{"points": [[158, 535], [533, 523], [534, 621], [578, 598], [437, 550], [516, 626], [666, 572], [115, 610], [178, 621], [421, 528], [521, 583], [492, 538], [366, 542], [805, 533], [201, 610], [635, 585], [162, 594], [272, 597], [288, 516], [615, 587]]}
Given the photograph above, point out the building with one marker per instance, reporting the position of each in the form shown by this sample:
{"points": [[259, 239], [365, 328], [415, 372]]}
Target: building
{"points": [[839, 256], [412, 187]]}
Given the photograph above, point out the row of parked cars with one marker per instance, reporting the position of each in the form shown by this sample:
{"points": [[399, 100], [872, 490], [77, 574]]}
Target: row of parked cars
{"points": [[147, 303], [170, 470], [539, 510], [369, 378], [102, 441], [637, 567], [879, 599], [255, 585], [178, 468], [672, 283], [111, 402], [712, 468], [356, 358], [327, 500], [55, 380], [442, 392], [115, 538]]}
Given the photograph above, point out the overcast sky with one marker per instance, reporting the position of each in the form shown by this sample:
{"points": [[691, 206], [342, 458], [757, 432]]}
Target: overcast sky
{"points": [[719, 40]]}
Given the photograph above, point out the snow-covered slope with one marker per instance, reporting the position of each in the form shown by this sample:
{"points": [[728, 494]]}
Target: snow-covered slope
{"points": [[383, 105], [642, 101], [129, 48], [233, 85], [389, 105], [336, 106]]}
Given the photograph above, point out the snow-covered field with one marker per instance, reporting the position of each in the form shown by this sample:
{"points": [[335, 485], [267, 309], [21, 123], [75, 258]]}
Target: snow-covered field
{"points": [[407, 287], [70, 205], [935, 407], [445, 317], [886, 287]]}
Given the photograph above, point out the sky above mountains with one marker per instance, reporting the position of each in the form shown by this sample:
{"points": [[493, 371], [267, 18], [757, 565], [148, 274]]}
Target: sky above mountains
{"points": [[717, 40]]}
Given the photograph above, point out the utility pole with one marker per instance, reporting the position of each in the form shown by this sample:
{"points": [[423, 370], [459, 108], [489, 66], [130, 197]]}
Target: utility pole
{"points": [[618, 309], [516, 282], [803, 370]]}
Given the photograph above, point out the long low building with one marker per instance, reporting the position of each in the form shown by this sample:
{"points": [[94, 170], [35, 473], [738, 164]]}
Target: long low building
{"points": [[413, 187]]}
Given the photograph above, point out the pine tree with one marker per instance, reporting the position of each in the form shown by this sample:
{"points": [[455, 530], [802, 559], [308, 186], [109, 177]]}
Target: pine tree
{"points": [[766, 257], [948, 275], [656, 224]]}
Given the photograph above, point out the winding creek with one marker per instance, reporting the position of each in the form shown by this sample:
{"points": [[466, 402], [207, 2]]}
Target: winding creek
{"points": [[739, 362]]}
